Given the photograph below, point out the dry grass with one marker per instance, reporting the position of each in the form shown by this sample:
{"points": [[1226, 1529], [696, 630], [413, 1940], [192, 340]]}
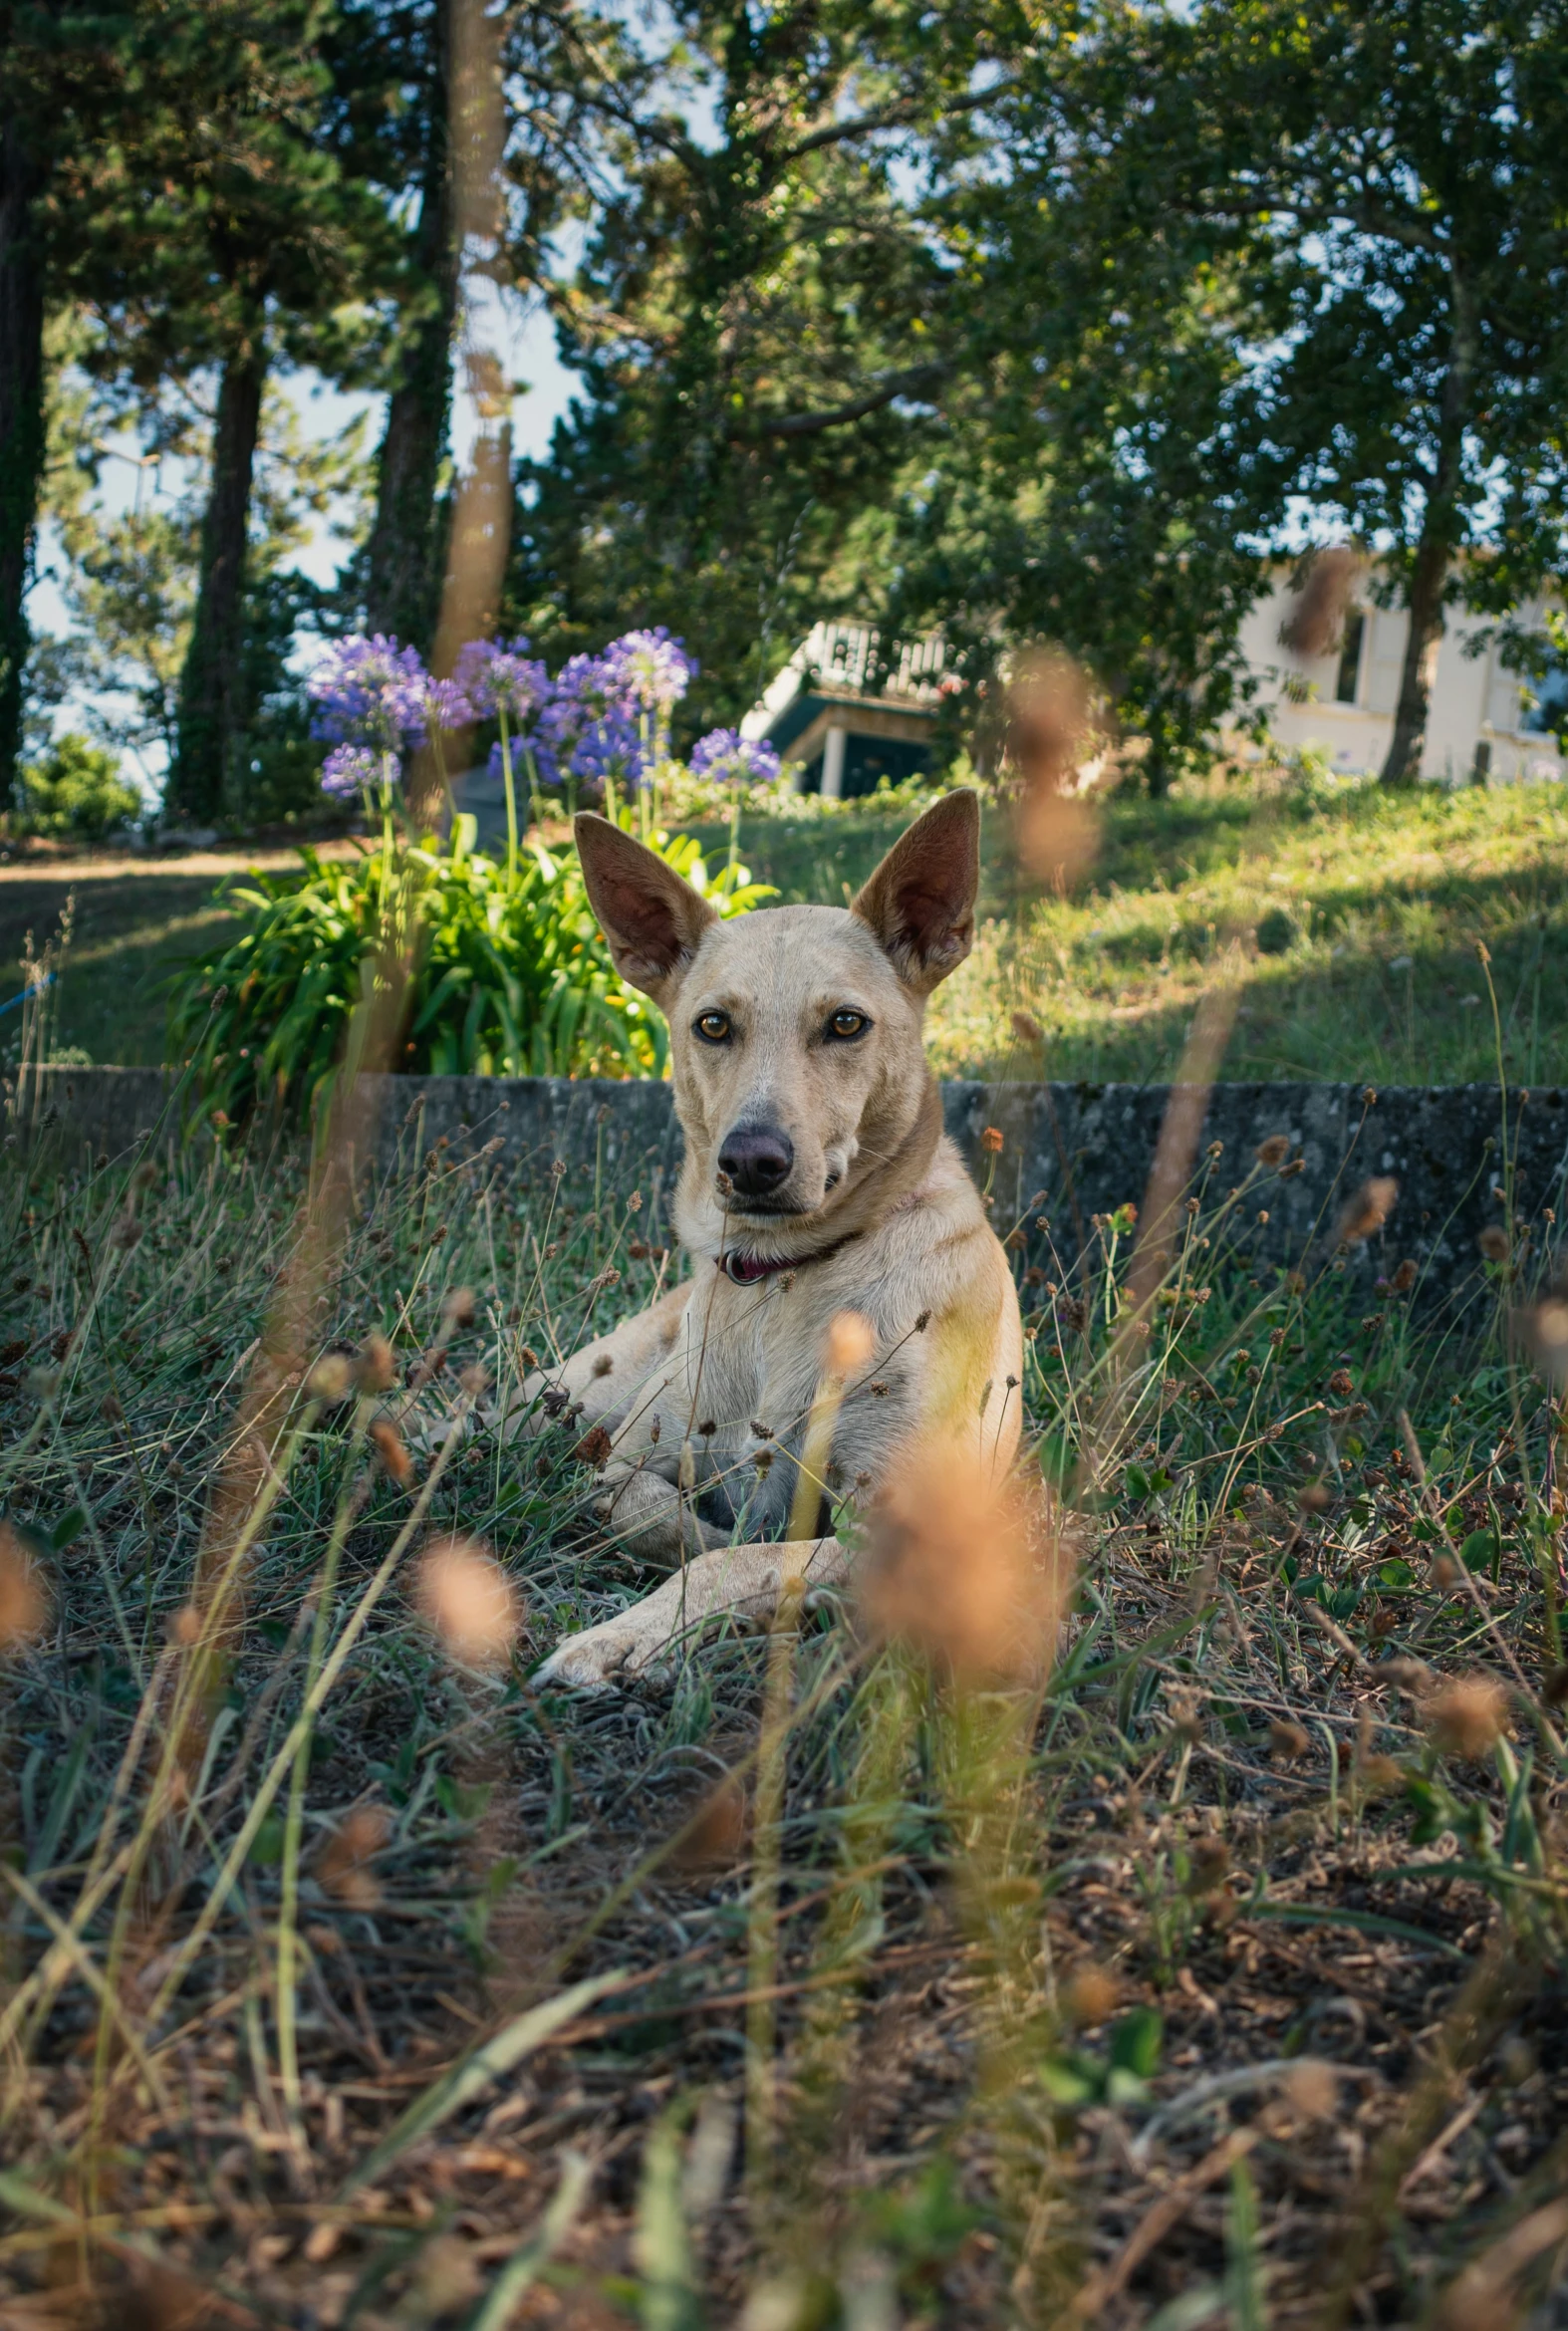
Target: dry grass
{"points": [[1211, 1968]]}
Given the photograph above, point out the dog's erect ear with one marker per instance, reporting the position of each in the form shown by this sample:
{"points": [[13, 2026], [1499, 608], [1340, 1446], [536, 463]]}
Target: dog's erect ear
{"points": [[652, 920], [920, 900]]}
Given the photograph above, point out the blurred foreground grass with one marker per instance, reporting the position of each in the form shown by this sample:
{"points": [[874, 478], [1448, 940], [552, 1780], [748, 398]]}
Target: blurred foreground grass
{"points": [[1215, 1968]]}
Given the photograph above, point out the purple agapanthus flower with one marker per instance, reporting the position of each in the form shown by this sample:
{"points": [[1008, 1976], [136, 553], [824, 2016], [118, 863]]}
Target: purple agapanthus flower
{"points": [[726, 757], [351, 770], [584, 729], [446, 704], [370, 692], [648, 672], [497, 677]]}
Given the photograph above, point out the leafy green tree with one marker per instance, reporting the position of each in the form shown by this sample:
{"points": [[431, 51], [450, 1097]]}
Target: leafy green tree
{"points": [[63, 89], [74, 790], [1401, 168], [130, 579], [1087, 485], [229, 237], [759, 322]]}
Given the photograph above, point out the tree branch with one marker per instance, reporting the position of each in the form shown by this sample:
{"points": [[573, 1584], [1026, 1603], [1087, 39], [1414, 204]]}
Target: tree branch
{"points": [[892, 118], [908, 382], [1372, 218]]}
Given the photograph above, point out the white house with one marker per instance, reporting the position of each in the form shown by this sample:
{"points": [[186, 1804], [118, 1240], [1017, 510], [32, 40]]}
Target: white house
{"points": [[840, 734], [1481, 724]]}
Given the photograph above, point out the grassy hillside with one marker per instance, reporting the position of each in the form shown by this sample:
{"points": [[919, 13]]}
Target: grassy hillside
{"points": [[1352, 918]]}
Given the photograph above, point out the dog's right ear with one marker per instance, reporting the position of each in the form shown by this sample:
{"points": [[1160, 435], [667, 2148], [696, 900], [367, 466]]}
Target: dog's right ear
{"points": [[920, 903], [652, 920]]}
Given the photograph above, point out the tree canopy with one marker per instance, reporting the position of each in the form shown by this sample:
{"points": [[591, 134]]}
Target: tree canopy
{"points": [[1027, 321]]}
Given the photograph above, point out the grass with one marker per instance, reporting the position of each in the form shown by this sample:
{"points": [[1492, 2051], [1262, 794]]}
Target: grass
{"points": [[1372, 903], [1356, 914], [134, 923], [1209, 1975]]}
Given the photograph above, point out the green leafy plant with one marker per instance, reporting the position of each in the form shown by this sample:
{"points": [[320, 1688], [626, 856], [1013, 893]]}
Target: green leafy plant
{"points": [[76, 792], [512, 974]]}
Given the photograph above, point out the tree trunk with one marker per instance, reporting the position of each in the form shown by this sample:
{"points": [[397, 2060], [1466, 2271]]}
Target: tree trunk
{"points": [[1435, 550], [407, 541], [211, 687], [1430, 570], [21, 426]]}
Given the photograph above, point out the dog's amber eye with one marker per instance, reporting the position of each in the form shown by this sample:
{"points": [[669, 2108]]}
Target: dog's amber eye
{"points": [[713, 1027], [846, 1024]]}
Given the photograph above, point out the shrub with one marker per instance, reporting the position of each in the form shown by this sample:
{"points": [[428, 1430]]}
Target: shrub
{"points": [[76, 792], [512, 974]]}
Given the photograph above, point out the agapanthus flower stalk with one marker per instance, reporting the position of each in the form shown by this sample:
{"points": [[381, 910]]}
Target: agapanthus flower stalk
{"points": [[726, 757], [503, 683]]}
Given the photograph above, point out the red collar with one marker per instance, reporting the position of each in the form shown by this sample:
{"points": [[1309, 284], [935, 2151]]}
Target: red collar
{"points": [[749, 1271]]}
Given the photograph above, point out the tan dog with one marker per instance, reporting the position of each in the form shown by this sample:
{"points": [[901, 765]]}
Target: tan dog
{"points": [[817, 1181]]}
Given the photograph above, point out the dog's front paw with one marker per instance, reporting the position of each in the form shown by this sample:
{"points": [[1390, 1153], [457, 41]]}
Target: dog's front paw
{"points": [[601, 1659]]}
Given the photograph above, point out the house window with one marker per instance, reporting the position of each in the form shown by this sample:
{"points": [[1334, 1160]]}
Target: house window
{"points": [[1549, 712], [1350, 657]]}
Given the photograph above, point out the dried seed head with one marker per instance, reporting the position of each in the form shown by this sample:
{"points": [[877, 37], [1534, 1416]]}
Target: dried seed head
{"points": [[24, 1594], [390, 1448], [1027, 1028], [458, 1310], [467, 1598], [342, 1866], [972, 1576], [1088, 1997], [1468, 1716], [1403, 1278], [1322, 588], [1495, 1243], [1274, 1150], [1287, 1742], [111, 1410], [1312, 2087], [1366, 1210], [1210, 1864], [715, 1837], [475, 1380], [332, 1379], [1056, 731], [184, 1628], [1549, 1333], [992, 1139], [125, 1232], [1314, 1497], [851, 1342], [377, 1368], [594, 1448]]}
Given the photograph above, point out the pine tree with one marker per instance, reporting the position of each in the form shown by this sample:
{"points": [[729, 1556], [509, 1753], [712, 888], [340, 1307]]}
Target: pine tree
{"points": [[61, 90], [408, 539], [229, 238]]}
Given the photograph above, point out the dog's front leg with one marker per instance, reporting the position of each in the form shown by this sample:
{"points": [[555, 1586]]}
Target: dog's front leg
{"points": [[649, 1516], [743, 1582]]}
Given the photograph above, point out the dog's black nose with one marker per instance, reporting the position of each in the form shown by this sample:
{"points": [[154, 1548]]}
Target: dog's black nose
{"points": [[757, 1160]]}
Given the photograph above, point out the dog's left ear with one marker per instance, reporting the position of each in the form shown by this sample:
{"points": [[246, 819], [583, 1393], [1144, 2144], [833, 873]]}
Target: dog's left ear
{"points": [[652, 920], [920, 903]]}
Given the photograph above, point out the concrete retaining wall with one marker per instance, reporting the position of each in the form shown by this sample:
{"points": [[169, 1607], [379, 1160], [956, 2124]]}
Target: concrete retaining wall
{"points": [[1086, 1148]]}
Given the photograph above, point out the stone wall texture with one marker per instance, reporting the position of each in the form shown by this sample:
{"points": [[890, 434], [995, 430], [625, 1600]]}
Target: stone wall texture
{"points": [[1466, 1160]]}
